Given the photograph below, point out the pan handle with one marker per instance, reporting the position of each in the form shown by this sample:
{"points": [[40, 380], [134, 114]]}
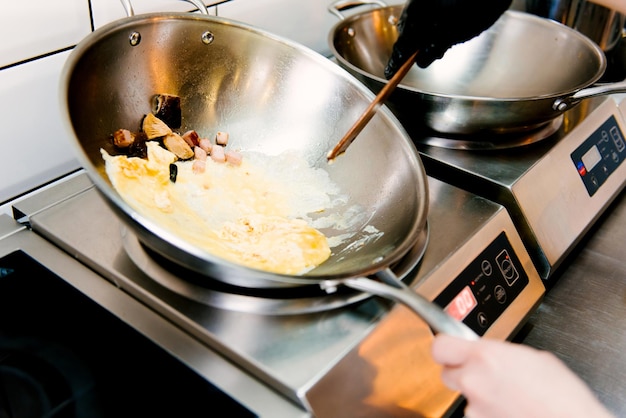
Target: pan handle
{"points": [[393, 288], [337, 7], [128, 7], [565, 103]]}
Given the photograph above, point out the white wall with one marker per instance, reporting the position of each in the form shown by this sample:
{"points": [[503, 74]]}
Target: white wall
{"points": [[38, 35]]}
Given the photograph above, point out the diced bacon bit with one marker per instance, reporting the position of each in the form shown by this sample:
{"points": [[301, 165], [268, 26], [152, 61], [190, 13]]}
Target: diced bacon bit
{"points": [[123, 138], [199, 154], [198, 166], [221, 138], [205, 144], [233, 157], [217, 154], [192, 138]]}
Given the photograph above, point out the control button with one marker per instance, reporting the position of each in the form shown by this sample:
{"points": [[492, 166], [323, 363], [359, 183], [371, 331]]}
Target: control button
{"points": [[500, 293], [594, 181], [617, 139], [483, 321], [507, 268], [486, 267]]}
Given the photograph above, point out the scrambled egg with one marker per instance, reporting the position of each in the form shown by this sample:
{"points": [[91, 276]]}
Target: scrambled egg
{"points": [[242, 213]]}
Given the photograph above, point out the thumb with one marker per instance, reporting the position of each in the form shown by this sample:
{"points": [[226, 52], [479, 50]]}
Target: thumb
{"points": [[451, 351]]}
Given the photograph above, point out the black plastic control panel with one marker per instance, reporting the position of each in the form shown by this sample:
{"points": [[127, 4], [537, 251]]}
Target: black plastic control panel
{"points": [[600, 155], [487, 286]]}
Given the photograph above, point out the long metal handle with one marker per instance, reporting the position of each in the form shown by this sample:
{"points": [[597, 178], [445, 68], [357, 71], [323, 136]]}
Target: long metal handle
{"points": [[393, 288], [128, 7], [564, 103], [336, 7]]}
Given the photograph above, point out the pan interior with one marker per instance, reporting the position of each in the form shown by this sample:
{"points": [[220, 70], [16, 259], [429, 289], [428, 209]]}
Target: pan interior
{"points": [[521, 56], [272, 96]]}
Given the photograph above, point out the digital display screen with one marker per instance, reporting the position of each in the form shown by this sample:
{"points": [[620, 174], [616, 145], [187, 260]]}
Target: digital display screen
{"points": [[462, 304], [591, 158]]}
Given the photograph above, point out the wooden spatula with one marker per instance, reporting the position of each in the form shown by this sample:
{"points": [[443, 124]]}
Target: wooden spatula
{"points": [[380, 98]]}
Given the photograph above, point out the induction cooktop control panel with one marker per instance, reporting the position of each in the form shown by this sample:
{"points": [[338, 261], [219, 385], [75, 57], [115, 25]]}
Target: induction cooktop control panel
{"points": [[600, 155], [486, 287]]}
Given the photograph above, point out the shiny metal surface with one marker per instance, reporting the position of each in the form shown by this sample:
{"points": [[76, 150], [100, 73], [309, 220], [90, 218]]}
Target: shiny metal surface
{"points": [[271, 95], [599, 23], [305, 356], [393, 288], [538, 184], [505, 80]]}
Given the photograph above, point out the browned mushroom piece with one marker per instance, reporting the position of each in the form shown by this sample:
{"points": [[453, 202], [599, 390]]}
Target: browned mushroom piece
{"points": [[154, 127], [177, 146], [167, 108]]}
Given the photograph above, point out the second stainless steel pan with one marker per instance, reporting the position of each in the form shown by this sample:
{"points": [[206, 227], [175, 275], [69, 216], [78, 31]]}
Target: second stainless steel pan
{"points": [[517, 76]]}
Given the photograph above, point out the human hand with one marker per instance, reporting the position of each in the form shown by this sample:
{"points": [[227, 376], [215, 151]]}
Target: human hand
{"points": [[433, 26], [501, 379]]}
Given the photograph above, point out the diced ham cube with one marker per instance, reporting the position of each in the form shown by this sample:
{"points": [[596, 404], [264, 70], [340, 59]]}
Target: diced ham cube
{"points": [[199, 153], [233, 157], [205, 144], [192, 138], [123, 138], [221, 138], [217, 154]]}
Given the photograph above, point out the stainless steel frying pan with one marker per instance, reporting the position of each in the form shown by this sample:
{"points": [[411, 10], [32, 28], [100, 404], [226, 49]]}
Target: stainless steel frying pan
{"points": [[271, 95], [517, 76]]}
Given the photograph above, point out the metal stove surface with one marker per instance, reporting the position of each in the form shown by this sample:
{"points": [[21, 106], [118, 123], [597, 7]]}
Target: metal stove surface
{"points": [[539, 183], [369, 358]]}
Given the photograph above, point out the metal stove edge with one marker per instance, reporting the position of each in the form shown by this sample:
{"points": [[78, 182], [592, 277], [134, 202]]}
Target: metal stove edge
{"points": [[441, 272]]}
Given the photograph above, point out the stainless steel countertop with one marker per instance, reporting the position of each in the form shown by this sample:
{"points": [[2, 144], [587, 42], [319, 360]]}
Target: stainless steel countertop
{"points": [[583, 316]]}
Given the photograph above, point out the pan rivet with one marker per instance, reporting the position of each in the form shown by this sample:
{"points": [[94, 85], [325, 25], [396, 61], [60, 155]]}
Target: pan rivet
{"points": [[134, 38], [207, 37], [351, 32]]}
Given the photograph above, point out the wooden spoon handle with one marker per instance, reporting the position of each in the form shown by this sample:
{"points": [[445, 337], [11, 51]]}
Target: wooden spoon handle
{"points": [[380, 98]]}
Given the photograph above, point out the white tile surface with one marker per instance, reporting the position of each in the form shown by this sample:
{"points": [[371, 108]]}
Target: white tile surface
{"points": [[307, 22], [33, 143], [36, 27], [106, 11]]}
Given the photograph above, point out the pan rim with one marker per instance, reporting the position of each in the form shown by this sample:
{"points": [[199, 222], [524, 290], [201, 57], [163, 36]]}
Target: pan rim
{"points": [[598, 53]]}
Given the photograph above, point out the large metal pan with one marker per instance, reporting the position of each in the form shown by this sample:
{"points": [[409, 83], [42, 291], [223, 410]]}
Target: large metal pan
{"points": [[518, 76], [270, 94], [602, 25]]}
